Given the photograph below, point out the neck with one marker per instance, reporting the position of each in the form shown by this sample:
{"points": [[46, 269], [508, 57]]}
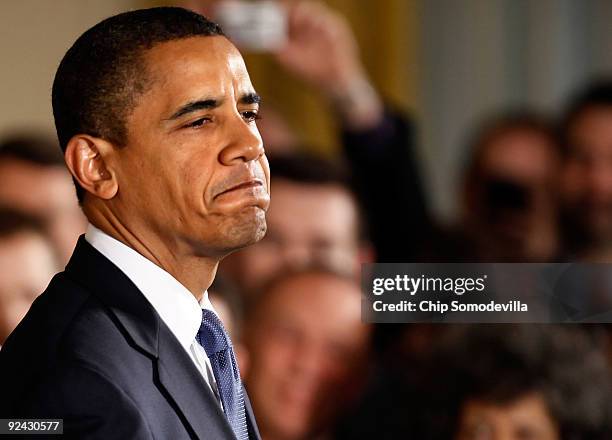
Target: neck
{"points": [[193, 271]]}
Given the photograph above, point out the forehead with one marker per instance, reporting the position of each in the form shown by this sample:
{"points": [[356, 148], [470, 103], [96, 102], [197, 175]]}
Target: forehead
{"points": [[595, 121], [196, 67], [44, 189], [520, 151], [300, 207], [529, 410], [309, 297]]}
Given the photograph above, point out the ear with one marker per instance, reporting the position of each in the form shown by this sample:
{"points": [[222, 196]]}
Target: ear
{"points": [[89, 161]]}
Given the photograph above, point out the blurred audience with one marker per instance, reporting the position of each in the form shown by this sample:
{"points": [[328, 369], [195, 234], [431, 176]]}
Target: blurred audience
{"points": [[28, 262], [586, 189], [33, 179], [314, 219], [509, 209], [521, 382], [308, 353]]}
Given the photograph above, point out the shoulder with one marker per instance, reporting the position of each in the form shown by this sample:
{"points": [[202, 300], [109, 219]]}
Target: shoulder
{"points": [[65, 326], [47, 320], [89, 402], [52, 318]]}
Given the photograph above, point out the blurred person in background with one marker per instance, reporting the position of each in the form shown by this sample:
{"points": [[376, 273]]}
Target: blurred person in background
{"points": [[509, 204], [28, 262], [308, 353], [520, 382], [586, 186], [33, 179], [377, 139], [314, 219]]}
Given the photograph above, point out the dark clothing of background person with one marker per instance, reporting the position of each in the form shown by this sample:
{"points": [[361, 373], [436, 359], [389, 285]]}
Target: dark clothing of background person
{"points": [[386, 175], [93, 352], [388, 181]]}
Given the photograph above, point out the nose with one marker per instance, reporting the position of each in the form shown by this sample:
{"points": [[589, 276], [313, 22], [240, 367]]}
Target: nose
{"points": [[311, 365], [244, 143]]}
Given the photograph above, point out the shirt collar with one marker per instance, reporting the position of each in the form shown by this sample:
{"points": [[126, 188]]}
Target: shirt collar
{"points": [[176, 306]]}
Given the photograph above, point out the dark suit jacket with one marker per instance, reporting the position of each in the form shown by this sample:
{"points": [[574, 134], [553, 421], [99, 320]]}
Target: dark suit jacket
{"points": [[94, 352]]}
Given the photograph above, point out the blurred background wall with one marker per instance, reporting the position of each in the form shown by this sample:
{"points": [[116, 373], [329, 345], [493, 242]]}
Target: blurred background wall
{"points": [[448, 62], [34, 35]]}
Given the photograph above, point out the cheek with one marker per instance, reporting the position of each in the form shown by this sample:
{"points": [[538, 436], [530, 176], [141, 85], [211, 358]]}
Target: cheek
{"points": [[200, 173], [14, 309], [266, 169], [276, 356], [190, 184], [141, 181], [572, 179], [269, 369]]}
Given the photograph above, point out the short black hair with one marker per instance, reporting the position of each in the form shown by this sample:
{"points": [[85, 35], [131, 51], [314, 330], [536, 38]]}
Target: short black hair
{"points": [[596, 94], [14, 221], [499, 364], [303, 167], [35, 149], [102, 74]]}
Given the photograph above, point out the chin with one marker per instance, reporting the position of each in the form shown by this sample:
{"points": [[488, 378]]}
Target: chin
{"points": [[246, 230]]}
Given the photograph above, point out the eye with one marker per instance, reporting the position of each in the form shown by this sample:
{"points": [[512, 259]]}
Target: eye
{"points": [[251, 115], [198, 122]]}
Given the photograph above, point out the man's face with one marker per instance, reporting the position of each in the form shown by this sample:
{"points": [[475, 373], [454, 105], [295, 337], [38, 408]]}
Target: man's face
{"points": [[525, 419], [47, 193], [28, 263], [515, 196], [307, 224], [587, 176], [307, 348], [193, 172]]}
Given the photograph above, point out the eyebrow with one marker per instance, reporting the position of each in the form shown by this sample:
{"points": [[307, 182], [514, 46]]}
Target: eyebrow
{"points": [[193, 106], [250, 98], [211, 103]]}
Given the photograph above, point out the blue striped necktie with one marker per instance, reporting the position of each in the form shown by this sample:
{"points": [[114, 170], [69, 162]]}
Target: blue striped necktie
{"points": [[218, 347]]}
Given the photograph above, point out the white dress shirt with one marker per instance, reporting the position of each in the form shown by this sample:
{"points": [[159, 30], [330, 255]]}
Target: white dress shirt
{"points": [[176, 306]]}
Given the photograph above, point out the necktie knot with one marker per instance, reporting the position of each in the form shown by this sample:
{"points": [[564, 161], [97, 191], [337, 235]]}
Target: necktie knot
{"points": [[212, 335]]}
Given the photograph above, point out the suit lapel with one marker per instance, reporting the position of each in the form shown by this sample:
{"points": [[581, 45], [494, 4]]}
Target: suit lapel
{"points": [[189, 391], [177, 375]]}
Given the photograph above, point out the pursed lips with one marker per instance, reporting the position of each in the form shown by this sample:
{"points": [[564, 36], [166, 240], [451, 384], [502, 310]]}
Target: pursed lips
{"points": [[244, 185]]}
